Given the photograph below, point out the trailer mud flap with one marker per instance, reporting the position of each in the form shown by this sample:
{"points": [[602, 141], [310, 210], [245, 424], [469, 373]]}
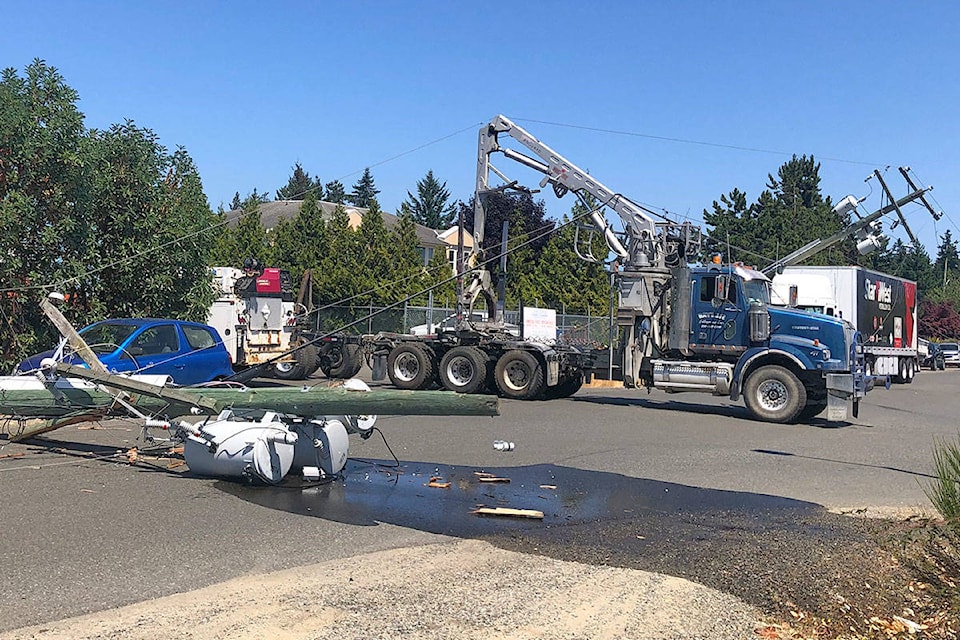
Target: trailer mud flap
{"points": [[553, 369], [379, 367], [839, 391]]}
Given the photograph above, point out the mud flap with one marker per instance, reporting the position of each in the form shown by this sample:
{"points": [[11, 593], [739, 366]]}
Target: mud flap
{"points": [[553, 369], [839, 391], [379, 369]]}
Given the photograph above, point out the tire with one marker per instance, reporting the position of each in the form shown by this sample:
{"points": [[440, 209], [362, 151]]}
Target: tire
{"points": [[812, 410], [412, 366], [464, 370], [306, 363], [342, 361], [901, 377], [566, 388], [911, 371], [816, 403], [519, 375], [773, 394], [868, 367]]}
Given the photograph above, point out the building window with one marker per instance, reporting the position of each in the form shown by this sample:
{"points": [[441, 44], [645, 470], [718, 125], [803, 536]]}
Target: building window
{"points": [[426, 253]]}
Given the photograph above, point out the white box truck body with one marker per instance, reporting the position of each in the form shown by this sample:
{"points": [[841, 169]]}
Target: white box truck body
{"points": [[881, 306]]}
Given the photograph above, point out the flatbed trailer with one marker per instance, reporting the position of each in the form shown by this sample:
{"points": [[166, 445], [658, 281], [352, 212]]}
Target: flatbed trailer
{"points": [[469, 361]]}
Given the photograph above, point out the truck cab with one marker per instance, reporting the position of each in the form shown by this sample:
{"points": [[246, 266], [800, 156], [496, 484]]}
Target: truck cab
{"points": [[724, 337]]}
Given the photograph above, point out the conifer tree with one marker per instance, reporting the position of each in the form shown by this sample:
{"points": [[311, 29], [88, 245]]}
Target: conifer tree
{"points": [[364, 191], [430, 207], [299, 185], [335, 193]]}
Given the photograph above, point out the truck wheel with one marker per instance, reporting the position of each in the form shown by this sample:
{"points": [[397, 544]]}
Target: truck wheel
{"points": [[565, 388], [411, 366], [519, 375], [773, 394], [341, 362], [816, 403], [464, 370], [305, 364], [812, 410], [911, 371]]}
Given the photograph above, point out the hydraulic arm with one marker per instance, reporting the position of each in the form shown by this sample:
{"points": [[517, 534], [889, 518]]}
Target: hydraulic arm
{"points": [[648, 243]]}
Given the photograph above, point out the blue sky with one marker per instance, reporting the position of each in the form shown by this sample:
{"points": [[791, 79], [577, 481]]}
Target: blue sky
{"points": [[250, 88]]}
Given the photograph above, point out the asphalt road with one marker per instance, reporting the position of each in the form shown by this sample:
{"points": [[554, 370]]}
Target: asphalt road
{"points": [[83, 533]]}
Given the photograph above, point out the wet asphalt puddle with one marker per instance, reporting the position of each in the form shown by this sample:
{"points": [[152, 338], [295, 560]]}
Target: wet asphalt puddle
{"points": [[765, 549], [371, 492]]}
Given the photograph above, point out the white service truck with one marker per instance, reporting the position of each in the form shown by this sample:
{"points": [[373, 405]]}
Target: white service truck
{"points": [[261, 324]]}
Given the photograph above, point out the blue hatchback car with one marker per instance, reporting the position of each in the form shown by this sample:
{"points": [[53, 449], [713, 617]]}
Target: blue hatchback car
{"points": [[189, 352]]}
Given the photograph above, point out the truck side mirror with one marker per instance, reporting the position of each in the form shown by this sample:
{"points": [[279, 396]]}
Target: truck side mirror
{"points": [[721, 291], [792, 302]]}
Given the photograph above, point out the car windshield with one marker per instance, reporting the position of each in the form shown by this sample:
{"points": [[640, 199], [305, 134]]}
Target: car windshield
{"points": [[106, 337], [949, 346]]}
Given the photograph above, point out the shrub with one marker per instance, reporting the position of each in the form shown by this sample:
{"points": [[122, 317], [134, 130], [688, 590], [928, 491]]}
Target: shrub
{"points": [[944, 491]]}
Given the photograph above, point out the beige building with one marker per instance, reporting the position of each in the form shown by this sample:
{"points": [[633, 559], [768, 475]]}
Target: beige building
{"points": [[430, 241]]}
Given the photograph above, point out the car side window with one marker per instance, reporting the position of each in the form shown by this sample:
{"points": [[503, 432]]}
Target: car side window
{"points": [[156, 340], [198, 337]]}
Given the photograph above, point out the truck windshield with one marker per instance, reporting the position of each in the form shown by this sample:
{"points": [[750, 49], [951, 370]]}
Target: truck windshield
{"points": [[757, 291]]}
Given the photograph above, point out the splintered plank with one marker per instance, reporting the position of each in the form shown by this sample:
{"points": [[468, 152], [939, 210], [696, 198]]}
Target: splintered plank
{"points": [[508, 512]]}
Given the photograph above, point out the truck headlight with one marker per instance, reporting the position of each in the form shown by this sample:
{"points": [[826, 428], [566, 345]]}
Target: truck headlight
{"points": [[826, 354]]}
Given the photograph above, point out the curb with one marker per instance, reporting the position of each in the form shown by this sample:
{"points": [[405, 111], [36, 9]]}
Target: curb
{"points": [[603, 384]]}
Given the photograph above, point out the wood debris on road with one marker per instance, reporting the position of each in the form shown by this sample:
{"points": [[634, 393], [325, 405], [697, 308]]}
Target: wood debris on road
{"points": [[508, 512]]}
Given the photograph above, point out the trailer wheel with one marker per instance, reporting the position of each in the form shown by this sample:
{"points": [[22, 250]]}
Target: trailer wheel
{"points": [[901, 377], [343, 361], [464, 370], [911, 371], [305, 364], [773, 394], [411, 365], [565, 388], [519, 375]]}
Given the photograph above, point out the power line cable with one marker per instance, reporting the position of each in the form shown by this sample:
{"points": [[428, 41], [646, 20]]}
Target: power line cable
{"points": [[637, 134]]}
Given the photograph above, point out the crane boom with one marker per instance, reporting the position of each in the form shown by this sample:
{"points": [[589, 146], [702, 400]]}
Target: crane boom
{"points": [[649, 243]]}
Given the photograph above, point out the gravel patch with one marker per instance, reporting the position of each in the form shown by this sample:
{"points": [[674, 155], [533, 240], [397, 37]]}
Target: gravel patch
{"points": [[462, 589]]}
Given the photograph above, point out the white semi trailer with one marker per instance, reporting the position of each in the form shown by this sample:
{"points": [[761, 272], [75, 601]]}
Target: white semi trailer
{"points": [[883, 308]]}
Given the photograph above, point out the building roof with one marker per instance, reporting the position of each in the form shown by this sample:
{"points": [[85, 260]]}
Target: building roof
{"points": [[273, 212]]}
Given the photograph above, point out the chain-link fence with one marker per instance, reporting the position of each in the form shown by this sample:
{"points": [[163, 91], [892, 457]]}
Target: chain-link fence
{"points": [[584, 330]]}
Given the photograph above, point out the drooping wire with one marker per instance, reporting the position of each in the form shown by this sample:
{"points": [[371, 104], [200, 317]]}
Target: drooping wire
{"points": [[216, 225], [396, 461]]}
